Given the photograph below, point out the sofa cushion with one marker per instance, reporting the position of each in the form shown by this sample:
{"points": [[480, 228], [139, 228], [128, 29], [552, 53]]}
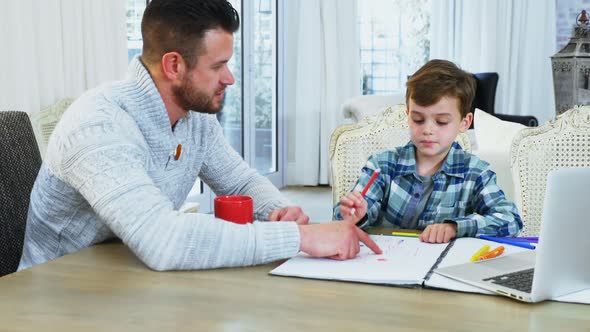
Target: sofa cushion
{"points": [[494, 133], [493, 141]]}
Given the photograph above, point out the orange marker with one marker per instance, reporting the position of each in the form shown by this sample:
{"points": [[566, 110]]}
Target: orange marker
{"points": [[494, 253]]}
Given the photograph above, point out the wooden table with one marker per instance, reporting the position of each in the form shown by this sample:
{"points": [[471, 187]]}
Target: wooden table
{"points": [[106, 288]]}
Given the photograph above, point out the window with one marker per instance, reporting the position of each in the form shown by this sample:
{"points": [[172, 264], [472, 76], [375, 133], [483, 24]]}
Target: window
{"points": [[393, 42], [250, 124], [134, 13], [264, 158], [231, 117]]}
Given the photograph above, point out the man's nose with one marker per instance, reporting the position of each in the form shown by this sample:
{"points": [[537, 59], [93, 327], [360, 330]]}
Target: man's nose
{"points": [[227, 78]]}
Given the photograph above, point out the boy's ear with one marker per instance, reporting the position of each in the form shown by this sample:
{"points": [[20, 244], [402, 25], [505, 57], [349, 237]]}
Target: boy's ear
{"points": [[466, 122]]}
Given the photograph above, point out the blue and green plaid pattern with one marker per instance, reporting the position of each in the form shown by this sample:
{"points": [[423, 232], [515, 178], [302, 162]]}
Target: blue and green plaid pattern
{"points": [[465, 191]]}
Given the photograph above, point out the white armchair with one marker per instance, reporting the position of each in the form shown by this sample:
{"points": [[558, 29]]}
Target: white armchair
{"points": [[490, 140], [45, 121], [351, 145], [560, 143]]}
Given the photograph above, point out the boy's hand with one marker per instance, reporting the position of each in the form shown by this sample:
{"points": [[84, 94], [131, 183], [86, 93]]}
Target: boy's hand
{"points": [[353, 207], [439, 233]]}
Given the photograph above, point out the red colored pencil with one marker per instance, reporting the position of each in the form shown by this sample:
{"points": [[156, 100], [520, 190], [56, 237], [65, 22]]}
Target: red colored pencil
{"points": [[375, 174]]}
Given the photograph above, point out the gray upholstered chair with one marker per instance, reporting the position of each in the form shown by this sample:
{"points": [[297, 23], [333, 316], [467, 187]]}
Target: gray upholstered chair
{"points": [[19, 164], [485, 99]]}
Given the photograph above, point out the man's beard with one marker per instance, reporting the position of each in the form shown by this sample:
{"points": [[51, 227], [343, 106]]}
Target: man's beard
{"points": [[190, 98]]}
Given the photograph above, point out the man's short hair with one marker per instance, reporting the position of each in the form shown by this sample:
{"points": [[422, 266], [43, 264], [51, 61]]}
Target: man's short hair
{"points": [[438, 79], [180, 25]]}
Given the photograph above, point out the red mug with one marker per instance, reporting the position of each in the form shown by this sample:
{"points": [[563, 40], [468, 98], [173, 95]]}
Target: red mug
{"points": [[238, 209]]}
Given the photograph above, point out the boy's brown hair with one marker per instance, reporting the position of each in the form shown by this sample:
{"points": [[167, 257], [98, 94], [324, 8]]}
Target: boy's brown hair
{"points": [[438, 79]]}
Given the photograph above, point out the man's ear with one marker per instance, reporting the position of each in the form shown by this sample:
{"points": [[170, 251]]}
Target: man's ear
{"points": [[466, 122], [173, 66]]}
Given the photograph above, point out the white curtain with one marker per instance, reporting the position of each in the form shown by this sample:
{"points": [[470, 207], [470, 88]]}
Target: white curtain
{"points": [[53, 49], [513, 38], [322, 70]]}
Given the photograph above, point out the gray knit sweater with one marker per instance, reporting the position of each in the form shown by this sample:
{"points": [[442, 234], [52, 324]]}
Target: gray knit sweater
{"points": [[109, 173]]}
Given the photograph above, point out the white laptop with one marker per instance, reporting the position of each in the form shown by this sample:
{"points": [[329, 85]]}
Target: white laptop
{"points": [[561, 263]]}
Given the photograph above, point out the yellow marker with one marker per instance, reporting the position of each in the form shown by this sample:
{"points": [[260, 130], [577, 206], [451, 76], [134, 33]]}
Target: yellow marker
{"points": [[484, 250], [405, 234]]}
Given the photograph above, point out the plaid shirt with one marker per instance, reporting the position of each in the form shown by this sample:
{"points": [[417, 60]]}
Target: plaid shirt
{"points": [[465, 192]]}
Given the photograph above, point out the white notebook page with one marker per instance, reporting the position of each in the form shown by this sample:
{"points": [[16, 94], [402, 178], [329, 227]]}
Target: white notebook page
{"points": [[405, 261]]}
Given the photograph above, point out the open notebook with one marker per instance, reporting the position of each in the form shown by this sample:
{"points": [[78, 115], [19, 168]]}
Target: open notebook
{"points": [[405, 262]]}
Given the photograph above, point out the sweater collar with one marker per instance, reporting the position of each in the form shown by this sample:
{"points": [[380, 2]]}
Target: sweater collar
{"points": [[149, 111]]}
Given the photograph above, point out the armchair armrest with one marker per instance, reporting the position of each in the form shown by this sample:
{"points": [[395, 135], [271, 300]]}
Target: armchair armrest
{"points": [[527, 120]]}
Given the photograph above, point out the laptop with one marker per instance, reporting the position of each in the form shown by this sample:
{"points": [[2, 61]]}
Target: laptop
{"points": [[560, 264]]}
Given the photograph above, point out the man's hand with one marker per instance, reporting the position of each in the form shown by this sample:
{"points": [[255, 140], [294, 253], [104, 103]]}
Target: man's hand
{"points": [[289, 213], [336, 240], [353, 207], [439, 233]]}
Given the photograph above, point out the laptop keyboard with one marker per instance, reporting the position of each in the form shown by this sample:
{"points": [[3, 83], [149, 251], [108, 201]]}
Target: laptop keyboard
{"points": [[520, 280]]}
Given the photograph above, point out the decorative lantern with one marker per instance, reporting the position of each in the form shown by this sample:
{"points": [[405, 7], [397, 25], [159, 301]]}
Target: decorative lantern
{"points": [[571, 68]]}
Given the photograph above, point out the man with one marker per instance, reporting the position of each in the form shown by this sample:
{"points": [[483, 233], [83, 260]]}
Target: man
{"points": [[113, 168]]}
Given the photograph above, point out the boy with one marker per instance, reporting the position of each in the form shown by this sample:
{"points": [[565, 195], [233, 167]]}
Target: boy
{"points": [[431, 183]]}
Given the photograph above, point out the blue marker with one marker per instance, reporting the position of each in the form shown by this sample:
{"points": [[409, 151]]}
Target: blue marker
{"points": [[507, 240]]}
